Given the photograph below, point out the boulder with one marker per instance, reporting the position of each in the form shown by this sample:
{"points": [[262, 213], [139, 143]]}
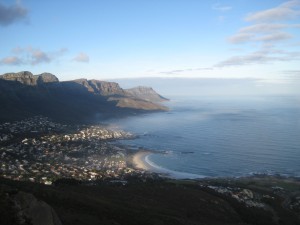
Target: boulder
{"points": [[37, 212]]}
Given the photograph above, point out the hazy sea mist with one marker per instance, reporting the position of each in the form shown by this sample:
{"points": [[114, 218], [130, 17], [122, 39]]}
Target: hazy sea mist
{"points": [[222, 136]]}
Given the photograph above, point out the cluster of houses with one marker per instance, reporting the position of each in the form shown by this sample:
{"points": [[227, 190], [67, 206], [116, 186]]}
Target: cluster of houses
{"points": [[255, 199], [42, 151], [295, 204], [246, 196], [37, 124]]}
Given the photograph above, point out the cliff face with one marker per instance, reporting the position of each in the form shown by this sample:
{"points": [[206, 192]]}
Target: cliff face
{"points": [[31, 209], [24, 94], [21, 208], [145, 93], [46, 78], [24, 77], [106, 88], [96, 86], [27, 78]]}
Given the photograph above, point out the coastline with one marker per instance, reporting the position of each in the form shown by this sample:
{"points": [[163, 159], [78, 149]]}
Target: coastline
{"points": [[140, 160]]}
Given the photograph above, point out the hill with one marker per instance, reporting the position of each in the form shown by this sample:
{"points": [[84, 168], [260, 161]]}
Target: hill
{"points": [[146, 93], [155, 202]]}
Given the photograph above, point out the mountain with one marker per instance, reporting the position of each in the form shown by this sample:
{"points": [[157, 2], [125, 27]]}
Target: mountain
{"points": [[95, 86], [146, 93], [24, 94], [27, 78]]}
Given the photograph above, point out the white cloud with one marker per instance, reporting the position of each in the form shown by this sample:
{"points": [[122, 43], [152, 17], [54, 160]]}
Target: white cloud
{"points": [[38, 56], [81, 57], [262, 32], [31, 56], [11, 60], [286, 11], [172, 72], [278, 36], [263, 56], [265, 28], [220, 7], [241, 38], [269, 33]]}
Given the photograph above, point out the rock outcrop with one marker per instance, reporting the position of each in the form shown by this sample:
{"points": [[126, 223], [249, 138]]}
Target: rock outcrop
{"points": [[24, 77], [106, 88], [27, 78], [46, 78], [37, 212], [95, 86], [145, 93]]}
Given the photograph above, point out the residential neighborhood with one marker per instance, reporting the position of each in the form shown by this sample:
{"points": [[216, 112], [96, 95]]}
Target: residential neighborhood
{"points": [[40, 150]]}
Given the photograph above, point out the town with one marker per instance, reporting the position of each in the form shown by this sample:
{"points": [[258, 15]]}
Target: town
{"points": [[40, 150]]}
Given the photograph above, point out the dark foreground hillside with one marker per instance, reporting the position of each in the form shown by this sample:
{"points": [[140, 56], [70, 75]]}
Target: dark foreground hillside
{"points": [[148, 203]]}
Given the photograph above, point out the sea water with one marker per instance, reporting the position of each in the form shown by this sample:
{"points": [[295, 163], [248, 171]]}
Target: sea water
{"points": [[221, 136]]}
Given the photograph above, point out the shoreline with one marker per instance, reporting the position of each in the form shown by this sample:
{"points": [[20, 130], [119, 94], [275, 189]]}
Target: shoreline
{"points": [[140, 160]]}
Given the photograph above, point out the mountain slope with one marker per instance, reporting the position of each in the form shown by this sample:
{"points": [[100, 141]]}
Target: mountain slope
{"points": [[145, 93], [24, 94]]}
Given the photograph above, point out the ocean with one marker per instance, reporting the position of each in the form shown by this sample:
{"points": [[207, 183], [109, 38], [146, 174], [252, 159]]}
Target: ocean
{"points": [[221, 136]]}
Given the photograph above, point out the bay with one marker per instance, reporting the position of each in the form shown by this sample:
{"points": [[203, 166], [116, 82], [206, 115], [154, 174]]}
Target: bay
{"points": [[221, 136]]}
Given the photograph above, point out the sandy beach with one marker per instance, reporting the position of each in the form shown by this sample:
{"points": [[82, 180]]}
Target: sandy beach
{"points": [[140, 162]]}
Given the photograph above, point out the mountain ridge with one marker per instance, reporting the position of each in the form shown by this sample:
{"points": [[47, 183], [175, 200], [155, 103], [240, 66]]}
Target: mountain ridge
{"points": [[27, 78], [24, 94], [146, 93]]}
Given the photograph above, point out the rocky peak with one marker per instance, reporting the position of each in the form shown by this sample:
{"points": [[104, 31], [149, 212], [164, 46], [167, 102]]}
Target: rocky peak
{"points": [[106, 88], [27, 78], [24, 77], [46, 78], [145, 93], [98, 87], [83, 82]]}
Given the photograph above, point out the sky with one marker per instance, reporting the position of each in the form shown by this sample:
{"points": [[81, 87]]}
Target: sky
{"points": [[100, 39]]}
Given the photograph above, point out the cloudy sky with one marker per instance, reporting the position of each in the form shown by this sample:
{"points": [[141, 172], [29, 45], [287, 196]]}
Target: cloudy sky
{"points": [[159, 38]]}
